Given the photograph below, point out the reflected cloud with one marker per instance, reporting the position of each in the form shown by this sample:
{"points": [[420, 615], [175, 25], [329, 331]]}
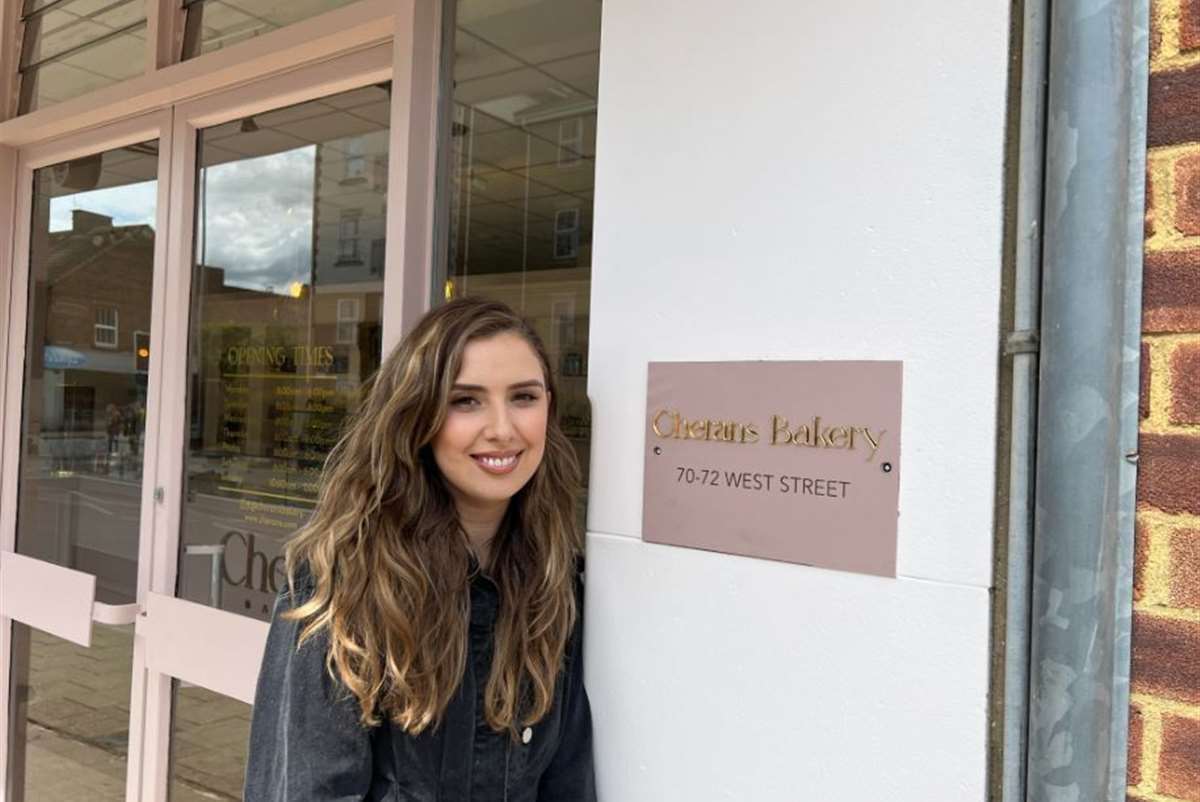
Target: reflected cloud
{"points": [[258, 219]]}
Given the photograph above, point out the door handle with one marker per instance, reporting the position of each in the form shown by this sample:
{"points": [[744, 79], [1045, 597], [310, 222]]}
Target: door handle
{"points": [[114, 614]]}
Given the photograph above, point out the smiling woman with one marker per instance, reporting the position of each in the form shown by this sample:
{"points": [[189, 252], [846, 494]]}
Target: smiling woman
{"points": [[429, 640]]}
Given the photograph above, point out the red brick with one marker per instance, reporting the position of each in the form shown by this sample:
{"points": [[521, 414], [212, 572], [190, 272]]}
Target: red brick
{"points": [[1141, 555], [1189, 25], [1179, 763], [1133, 773], [1187, 194], [1184, 571], [1144, 382], [1174, 97], [1185, 383], [1169, 472], [1171, 291], [1166, 658]]}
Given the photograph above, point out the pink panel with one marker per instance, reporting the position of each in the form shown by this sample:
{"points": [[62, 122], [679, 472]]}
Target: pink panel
{"points": [[48, 597], [793, 461], [211, 648]]}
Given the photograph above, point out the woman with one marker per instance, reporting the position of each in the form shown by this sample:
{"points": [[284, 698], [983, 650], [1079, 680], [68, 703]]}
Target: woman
{"points": [[428, 646]]}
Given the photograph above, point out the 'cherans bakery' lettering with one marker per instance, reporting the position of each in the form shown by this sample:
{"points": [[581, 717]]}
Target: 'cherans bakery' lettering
{"points": [[669, 423], [811, 433]]}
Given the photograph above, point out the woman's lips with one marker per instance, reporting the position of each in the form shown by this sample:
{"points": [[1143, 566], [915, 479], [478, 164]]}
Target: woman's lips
{"points": [[497, 466]]}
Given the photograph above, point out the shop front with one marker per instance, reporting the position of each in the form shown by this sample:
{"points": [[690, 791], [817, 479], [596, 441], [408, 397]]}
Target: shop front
{"points": [[844, 539], [224, 213]]}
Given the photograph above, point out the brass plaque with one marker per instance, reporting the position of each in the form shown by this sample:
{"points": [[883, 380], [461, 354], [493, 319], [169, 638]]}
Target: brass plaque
{"points": [[792, 461]]}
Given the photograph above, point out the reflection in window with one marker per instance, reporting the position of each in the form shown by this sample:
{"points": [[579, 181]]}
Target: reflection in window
{"points": [[566, 233], [347, 317], [570, 142], [72, 47], [348, 236], [517, 210], [282, 335], [215, 24], [91, 271], [285, 326], [106, 327]]}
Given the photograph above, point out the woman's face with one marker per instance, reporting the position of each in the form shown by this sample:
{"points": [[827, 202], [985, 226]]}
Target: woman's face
{"points": [[494, 436]]}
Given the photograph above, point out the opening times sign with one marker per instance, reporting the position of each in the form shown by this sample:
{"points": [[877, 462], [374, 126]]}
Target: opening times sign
{"points": [[792, 461]]}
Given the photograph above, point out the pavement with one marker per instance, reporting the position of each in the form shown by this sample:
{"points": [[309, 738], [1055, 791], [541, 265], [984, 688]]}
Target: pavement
{"points": [[77, 733]]}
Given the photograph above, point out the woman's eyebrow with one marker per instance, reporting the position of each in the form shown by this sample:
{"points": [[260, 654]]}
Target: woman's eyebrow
{"points": [[518, 385]]}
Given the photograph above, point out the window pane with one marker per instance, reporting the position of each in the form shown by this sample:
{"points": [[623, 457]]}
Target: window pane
{"points": [[77, 72], [270, 384], [214, 24], [283, 332], [78, 23], [77, 46], [208, 747], [91, 270], [517, 218]]}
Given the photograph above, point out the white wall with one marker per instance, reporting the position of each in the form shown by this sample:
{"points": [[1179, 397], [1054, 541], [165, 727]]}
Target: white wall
{"points": [[793, 179]]}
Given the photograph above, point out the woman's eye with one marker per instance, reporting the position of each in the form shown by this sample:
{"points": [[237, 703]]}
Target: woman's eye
{"points": [[526, 397], [464, 402]]}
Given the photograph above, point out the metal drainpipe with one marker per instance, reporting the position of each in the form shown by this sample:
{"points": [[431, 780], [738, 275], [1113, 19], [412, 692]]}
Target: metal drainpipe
{"points": [[1087, 406], [1022, 345]]}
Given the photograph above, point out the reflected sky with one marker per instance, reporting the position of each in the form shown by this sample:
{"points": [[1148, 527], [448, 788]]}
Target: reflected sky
{"points": [[258, 216], [258, 219], [132, 204]]}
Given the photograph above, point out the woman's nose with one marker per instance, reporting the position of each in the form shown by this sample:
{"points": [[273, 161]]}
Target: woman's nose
{"points": [[499, 424]]}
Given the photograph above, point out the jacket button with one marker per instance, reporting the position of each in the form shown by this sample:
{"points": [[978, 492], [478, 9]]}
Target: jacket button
{"points": [[527, 735]]}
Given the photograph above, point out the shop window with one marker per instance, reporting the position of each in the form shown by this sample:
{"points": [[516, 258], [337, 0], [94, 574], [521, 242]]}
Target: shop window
{"points": [[216, 24], [282, 336], [513, 223], [347, 321], [79, 408], [105, 328], [71, 47]]}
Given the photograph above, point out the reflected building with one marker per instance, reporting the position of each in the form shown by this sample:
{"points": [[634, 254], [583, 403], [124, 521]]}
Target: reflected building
{"points": [[89, 379], [96, 336]]}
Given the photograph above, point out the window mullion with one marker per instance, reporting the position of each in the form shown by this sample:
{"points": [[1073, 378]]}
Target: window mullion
{"points": [[164, 33]]}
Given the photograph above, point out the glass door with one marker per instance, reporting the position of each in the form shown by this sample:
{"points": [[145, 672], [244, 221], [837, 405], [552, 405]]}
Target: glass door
{"points": [[82, 403], [198, 299], [281, 190], [285, 325]]}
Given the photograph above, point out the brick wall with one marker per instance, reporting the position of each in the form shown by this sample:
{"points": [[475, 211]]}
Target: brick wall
{"points": [[1164, 742]]}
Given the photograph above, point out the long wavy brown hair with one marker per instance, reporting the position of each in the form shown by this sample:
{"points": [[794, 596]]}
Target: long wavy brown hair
{"points": [[390, 562]]}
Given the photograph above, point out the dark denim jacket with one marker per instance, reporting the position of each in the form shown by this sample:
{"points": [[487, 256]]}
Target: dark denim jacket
{"points": [[306, 742]]}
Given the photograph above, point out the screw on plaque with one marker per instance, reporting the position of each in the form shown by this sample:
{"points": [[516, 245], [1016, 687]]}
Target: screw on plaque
{"points": [[657, 450], [887, 467]]}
